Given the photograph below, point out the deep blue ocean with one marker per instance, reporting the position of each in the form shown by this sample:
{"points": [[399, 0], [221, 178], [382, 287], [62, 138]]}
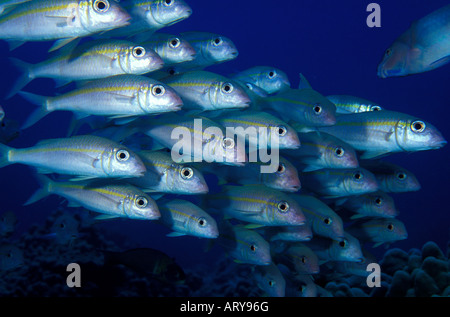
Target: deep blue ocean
{"points": [[328, 42]]}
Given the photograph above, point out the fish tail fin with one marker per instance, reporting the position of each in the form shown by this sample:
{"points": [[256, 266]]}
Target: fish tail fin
{"points": [[40, 112], [4, 155], [42, 192], [27, 75]]}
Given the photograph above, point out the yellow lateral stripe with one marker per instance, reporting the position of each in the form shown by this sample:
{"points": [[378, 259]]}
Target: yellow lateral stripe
{"points": [[368, 123], [40, 10], [102, 89], [253, 200], [61, 149], [191, 84], [251, 123], [97, 190], [181, 213]]}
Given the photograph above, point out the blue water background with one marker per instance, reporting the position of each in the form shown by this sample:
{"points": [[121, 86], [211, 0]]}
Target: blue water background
{"points": [[329, 42]]}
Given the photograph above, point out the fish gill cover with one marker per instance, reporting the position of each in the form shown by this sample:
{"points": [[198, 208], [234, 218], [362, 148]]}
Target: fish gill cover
{"points": [[115, 153]]}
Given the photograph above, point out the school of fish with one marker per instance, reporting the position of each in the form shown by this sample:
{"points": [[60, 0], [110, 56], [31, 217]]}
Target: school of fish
{"points": [[136, 87]]}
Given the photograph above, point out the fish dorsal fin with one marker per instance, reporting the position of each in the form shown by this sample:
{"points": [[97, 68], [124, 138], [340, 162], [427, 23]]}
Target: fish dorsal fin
{"points": [[304, 84]]}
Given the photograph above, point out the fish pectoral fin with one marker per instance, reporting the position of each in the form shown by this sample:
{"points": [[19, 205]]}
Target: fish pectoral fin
{"points": [[105, 217], [175, 234], [440, 62], [60, 43], [374, 154]]}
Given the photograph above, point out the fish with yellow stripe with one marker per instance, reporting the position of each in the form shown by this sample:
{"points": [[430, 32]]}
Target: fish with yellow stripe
{"points": [[244, 245], [118, 96], [258, 205], [346, 104], [330, 183], [323, 220], [166, 176], [62, 20], [211, 48], [260, 129], [88, 61], [84, 156], [185, 218], [302, 106], [378, 133], [378, 230], [202, 90], [171, 48], [148, 16], [191, 139], [322, 150], [270, 79], [109, 199]]}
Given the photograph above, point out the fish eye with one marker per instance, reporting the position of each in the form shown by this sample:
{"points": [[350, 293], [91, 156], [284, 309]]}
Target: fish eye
{"points": [[141, 202], [217, 41], [378, 201], [202, 222], [418, 126], [272, 74], [328, 221], [375, 108], [343, 243], [122, 155], [61, 225], [101, 6], [358, 176], [186, 173], [271, 283], [390, 227], [388, 52], [227, 88], [401, 176], [174, 43], [253, 247], [339, 152], [282, 130], [283, 206], [317, 109], [281, 168], [168, 3], [138, 51], [228, 143], [158, 90]]}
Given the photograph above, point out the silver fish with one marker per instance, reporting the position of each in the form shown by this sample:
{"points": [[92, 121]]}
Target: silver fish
{"points": [[258, 204], [211, 49], [193, 139], [118, 96], [346, 104], [109, 199], [378, 133], [269, 79], [392, 178], [379, 230], [260, 129], [62, 20], [270, 280], [299, 258], [89, 60], [322, 150], [185, 218], [335, 183], [376, 204], [202, 90], [86, 156], [166, 176], [171, 48], [323, 220], [346, 249], [244, 245]]}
